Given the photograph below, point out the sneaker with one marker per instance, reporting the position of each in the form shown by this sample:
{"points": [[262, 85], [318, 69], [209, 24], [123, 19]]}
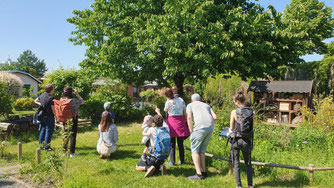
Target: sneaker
{"points": [[73, 154], [162, 169], [180, 163], [195, 177], [149, 171], [170, 163], [48, 149]]}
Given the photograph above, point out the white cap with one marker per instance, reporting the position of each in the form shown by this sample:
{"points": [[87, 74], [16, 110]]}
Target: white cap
{"points": [[195, 97]]}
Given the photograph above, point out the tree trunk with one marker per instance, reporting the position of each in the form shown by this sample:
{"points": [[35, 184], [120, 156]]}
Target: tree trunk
{"points": [[178, 81]]}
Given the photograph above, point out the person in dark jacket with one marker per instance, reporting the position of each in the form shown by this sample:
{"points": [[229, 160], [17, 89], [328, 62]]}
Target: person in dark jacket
{"points": [[46, 117]]}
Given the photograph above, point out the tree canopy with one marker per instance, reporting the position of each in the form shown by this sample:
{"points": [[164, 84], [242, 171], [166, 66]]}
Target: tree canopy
{"points": [[27, 62], [194, 39]]}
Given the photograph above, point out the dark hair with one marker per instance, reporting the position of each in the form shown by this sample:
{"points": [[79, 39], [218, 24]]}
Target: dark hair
{"points": [[158, 120], [106, 120], [48, 88], [68, 92], [169, 93], [239, 97]]}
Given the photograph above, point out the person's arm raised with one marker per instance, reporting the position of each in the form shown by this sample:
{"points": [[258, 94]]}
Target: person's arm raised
{"points": [[37, 101], [79, 97]]}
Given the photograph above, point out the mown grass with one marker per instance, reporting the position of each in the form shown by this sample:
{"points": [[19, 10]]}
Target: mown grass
{"points": [[87, 170]]}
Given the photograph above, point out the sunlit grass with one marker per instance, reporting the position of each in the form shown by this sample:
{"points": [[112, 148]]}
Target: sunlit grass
{"points": [[87, 170]]}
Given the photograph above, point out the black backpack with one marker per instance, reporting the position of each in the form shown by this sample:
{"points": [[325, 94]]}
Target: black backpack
{"points": [[244, 122]]}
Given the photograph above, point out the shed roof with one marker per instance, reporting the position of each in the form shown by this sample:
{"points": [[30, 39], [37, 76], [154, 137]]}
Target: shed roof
{"points": [[24, 73], [286, 86]]}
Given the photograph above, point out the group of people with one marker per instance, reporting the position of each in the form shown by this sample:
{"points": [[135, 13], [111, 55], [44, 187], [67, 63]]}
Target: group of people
{"points": [[196, 120], [46, 115]]}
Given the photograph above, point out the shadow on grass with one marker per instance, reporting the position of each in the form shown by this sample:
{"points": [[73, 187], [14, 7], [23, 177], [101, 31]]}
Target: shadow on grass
{"points": [[300, 180], [185, 171], [131, 144], [124, 154], [107, 171], [119, 154], [6, 183]]}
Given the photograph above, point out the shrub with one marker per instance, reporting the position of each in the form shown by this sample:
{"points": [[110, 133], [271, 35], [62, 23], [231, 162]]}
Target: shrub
{"points": [[220, 90], [154, 98], [323, 113], [117, 96], [29, 92], [5, 101], [24, 104], [149, 95], [77, 79], [13, 84]]}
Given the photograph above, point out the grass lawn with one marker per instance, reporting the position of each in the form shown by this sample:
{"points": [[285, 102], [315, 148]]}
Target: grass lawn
{"points": [[87, 170]]}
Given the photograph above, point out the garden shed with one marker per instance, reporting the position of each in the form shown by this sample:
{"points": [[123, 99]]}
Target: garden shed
{"points": [[281, 101], [27, 79]]}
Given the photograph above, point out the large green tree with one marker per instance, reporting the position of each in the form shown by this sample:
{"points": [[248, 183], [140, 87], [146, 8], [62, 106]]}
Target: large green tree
{"points": [[187, 39], [308, 22], [28, 62]]}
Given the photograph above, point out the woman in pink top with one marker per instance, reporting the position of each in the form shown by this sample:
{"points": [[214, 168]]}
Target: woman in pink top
{"points": [[176, 121]]}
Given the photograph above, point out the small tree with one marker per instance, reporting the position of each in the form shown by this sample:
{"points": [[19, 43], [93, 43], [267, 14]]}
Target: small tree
{"points": [[5, 101], [13, 84]]}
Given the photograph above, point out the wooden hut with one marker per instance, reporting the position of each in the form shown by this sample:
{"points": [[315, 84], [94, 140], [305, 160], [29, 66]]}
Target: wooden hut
{"points": [[282, 100]]}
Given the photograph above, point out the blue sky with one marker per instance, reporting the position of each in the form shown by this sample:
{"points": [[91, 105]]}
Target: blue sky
{"points": [[41, 26]]}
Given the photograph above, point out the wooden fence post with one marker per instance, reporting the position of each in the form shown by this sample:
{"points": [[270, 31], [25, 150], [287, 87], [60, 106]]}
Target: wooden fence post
{"points": [[19, 150], [38, 156], [311, 171]]}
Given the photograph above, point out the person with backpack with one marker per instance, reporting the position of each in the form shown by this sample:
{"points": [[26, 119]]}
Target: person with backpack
{"points": [[74, 104], [241, 138], [204, 118], [45, 115], [160, 141]]}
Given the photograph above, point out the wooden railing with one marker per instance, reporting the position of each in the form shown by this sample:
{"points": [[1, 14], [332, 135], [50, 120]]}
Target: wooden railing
{"points": [[310, 168]]}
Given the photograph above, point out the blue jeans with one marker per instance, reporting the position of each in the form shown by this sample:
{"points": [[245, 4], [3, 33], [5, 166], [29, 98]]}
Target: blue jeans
{"points": [[47, 127]]}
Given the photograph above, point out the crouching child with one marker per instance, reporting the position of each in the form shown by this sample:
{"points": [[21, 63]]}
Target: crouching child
{"points": [[147, 124], [160, 147]]}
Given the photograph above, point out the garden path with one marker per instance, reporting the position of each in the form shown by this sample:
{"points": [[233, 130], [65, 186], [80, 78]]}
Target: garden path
{"points": [[9, 178]]}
